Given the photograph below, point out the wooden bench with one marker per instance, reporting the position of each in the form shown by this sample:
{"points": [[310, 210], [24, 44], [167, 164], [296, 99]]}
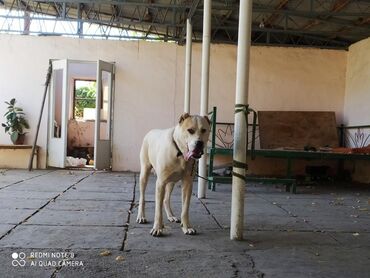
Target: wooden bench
{"points": [[17, 156], [225, 149], [353, 136]]}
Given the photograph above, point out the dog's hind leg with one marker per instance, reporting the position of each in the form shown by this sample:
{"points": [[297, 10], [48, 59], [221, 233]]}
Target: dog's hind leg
{"points": [[167, 203], [144, 175]]}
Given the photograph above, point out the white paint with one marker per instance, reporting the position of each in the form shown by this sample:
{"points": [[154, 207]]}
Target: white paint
{"points": [[204, 93], [240, 131], [149, 90]]}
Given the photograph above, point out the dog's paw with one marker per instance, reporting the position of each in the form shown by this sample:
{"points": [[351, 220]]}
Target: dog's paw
{"points": [[141, 220], [189, 231], [156, 232], [173, 219]]}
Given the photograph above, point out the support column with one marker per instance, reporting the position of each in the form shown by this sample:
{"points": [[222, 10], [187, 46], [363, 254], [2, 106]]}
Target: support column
{"points": [[240, 135], [202, 184], [80, 24], [189, 32], [27, 23]]}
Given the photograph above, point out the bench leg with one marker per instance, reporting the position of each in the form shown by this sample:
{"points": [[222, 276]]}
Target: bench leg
{"points": [[293, 188], [210, 170], [213, 186]]}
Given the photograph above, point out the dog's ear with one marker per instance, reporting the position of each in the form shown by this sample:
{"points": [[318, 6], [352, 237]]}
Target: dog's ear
{"points": [[183, 117], [207, 119]]}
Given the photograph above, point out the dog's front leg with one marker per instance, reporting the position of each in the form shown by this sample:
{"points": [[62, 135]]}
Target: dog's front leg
{"points": [[167, 203], [158, 217], [187, 188]]}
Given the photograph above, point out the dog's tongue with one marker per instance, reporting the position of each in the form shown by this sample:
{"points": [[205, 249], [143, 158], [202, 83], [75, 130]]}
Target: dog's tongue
{"points": [[193, 154]]}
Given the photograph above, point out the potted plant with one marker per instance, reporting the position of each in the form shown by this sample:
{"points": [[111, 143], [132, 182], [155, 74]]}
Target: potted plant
{"points": [[15, 123]]}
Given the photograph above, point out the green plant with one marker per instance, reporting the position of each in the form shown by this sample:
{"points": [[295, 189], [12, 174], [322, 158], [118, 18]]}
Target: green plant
{"points": [[15, 121], [85, 98]]}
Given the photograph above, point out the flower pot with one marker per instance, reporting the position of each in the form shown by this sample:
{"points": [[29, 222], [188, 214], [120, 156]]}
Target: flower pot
{"points": [[20, 140]]}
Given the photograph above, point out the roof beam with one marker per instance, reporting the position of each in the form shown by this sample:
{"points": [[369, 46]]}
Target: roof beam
{"points": [[191, 12], [337, 7], [263, 9], [274, 16], [118, 3]]}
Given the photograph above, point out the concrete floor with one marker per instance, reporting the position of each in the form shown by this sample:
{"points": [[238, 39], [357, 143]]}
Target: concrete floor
{"points": [[323, 231]]}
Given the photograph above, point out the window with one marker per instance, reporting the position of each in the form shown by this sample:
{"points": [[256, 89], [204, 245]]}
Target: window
{"points": [[84, 99]]}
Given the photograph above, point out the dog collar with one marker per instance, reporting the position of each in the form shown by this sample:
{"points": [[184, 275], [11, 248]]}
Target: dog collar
{"points": [[179, 153]]}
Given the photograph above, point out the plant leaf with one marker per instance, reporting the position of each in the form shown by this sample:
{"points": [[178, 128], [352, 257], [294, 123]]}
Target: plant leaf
{"points": [[12, 101], [14, 136]]}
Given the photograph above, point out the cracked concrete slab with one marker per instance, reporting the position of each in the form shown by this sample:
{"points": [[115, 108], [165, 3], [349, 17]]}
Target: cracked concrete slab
{"points": [[5, 228], [8, 194], [321, 261], [14, 216], [95, 196], [174, 238], [36, 186], [183, 263], [78, 218], [65, 237], [14, 270], [286, 235], [21, 203], [9, 176], [202, 220], [89, 205]]}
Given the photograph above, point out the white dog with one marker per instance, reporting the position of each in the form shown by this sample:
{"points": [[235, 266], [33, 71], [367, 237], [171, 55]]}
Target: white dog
{"points": [[172, 153]]}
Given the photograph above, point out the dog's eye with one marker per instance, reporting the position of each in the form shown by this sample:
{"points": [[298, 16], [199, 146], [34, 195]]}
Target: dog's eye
{"points": [[203, 130], [191, 131]]}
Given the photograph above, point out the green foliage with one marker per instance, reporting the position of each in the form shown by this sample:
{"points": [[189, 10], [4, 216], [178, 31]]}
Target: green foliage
{"points": [[84, 98], [15, 121]]}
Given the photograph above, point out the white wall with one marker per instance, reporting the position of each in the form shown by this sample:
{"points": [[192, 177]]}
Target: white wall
{"points": [[300, 79], [357, 92], [150, 76], [357, 100]]}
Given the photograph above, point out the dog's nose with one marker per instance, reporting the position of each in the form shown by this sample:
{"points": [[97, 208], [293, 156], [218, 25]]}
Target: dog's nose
{"points": [[199, 144]]}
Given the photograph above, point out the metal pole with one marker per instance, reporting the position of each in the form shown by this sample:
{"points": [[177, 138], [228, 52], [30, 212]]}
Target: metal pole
{"points": [[202, 184], [48, 76], [189, 31], [27, 23], [240, 135]]}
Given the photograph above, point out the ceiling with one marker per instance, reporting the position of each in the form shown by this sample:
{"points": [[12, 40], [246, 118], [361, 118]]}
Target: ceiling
{"points": [[305, 23]]}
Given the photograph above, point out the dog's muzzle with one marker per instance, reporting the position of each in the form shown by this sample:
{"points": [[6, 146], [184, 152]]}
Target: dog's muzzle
{"points": [[197, 152]]}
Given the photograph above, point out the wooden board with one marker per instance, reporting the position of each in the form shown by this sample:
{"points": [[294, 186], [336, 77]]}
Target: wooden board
{"points": [[297, 129]]}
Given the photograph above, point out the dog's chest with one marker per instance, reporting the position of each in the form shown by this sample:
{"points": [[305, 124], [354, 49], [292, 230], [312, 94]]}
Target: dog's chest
{"points": [[178, 171]]}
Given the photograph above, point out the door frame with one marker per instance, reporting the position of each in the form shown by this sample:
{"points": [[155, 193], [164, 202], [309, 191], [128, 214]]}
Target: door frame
{"points": [[107, 66]]}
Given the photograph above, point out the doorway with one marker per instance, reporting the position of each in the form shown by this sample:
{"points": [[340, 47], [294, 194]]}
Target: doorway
{"points": [[80, 114]]}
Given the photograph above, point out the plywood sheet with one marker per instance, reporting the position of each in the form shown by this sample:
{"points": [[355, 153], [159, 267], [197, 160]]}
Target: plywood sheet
{"points": [[297, 129]]}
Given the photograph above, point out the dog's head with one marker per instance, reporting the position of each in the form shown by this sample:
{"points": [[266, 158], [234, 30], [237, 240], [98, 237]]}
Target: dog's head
{"points": [[192, 133]]}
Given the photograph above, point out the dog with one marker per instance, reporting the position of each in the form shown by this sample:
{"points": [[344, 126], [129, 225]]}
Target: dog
{"points": [[172, 154]]}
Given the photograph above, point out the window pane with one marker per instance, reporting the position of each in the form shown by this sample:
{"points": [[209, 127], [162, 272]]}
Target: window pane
{"points": [[105, 109], [85, 98], [57, 105]]}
